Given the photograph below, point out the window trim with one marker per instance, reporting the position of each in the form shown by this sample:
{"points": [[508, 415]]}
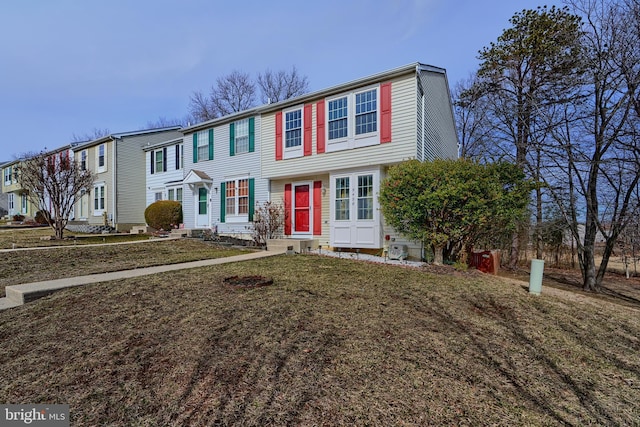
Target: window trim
{"points": [[352, 140], [102, 168], [101, 202], [295, 151], [8, 178]]}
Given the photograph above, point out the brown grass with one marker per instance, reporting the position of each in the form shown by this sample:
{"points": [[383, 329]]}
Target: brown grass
{"points": [[331, 342], [57, 263], [12, 238]]}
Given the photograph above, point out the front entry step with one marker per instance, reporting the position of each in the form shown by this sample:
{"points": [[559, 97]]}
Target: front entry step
{"points": [[298, 245]]}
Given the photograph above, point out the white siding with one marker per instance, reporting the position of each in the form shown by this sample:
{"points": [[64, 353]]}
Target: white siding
{"points": [[159, 180], [438, 137]]}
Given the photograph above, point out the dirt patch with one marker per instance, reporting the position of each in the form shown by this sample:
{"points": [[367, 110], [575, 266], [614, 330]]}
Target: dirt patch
{"points": [[244, 282]]}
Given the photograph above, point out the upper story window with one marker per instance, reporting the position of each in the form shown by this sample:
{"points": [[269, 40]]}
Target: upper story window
{"points": [[293, 128], [241, 136], [338, 118], [366, 112], [83, 160], [160, 161], [7, 176], [179, 156], [203, 145], [101, 160]]}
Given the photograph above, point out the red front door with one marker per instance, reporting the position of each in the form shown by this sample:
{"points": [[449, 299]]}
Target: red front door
{"points": [[302, 209]]}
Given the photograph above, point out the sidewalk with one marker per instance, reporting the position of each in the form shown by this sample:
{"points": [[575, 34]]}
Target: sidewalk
{"points": [[17, 295]]}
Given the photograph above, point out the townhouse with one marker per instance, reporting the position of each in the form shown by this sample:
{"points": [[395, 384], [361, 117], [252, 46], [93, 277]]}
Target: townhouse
{"points": [[164, 165], [117, 200], [223, 183], [326, 153]]}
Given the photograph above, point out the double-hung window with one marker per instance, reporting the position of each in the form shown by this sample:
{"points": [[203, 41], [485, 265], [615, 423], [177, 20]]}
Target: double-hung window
{"points": [[98, 199], [237, 196], [25, 204], [101, 157], [160, 161], [241, 136], [293, 128], [203, 145], [7, 176], [365, 197], [353, 120], [175, 194], [11, 205], [83, 160]]}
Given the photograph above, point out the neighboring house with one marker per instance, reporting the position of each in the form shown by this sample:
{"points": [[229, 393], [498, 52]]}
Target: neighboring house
{"points": [[118, 196], [164, 166], [18, 202], [3, 196], [222, 183], [326, 153]]}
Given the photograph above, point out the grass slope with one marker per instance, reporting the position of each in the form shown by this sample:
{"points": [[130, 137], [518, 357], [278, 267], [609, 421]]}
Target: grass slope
{"points": [[332, 342]]}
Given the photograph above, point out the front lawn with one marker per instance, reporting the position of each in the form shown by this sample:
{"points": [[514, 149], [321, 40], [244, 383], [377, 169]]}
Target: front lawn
{"points": [[331, 342]]}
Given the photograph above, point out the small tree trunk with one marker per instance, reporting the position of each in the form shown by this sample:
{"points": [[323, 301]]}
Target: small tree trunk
{"points": [[590, 280], [438, 259]]}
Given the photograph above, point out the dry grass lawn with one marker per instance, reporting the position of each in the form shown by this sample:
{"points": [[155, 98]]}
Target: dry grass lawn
{"points": [[331, 342]]}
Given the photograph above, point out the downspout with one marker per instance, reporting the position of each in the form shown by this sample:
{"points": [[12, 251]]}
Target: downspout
{"points": [[114, 205]]}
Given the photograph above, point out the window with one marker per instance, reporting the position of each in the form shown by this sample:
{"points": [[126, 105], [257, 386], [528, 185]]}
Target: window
{"points": [[98, 199], [7, 176], [237, 197], [365, 197], [158, 196], [338, 118], [366, 112], [11, 205], [83, 160], [202, 201], [342, 199], [179, 157], [293, 129], [101, 157], [159, 162], [203, 145], [170, 194], [241, 135], [25, 204], [179, 194]]}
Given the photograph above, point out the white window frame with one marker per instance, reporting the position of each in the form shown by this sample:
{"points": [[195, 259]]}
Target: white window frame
{"points": [[296, 150], [241, 136], [102, 168], [203, 145], [11, 204], [352, 140], [160, 169], [99, 189], [24, 204], [8, 179], [83, 160], [236, 216]]}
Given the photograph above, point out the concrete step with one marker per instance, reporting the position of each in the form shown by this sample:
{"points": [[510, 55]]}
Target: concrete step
{"points": [[297, 245], [6, 303]]}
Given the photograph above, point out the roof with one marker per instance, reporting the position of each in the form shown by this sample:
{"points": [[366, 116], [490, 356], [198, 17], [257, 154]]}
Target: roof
{"points": [[413, 67], [162, 144], [196, 176], [114, 136]]}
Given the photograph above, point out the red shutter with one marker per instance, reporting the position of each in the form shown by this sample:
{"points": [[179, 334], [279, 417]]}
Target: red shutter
{"points": [[385, 112], [307, 129], [279, 136], [317, 208], [287, 209], [320, 141]]}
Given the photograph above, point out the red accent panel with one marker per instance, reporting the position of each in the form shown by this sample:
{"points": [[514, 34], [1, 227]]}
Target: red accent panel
{"points": [[287, 209], [320, 141], [317, 208], [307, 129], [385, 112], [279, 136]]}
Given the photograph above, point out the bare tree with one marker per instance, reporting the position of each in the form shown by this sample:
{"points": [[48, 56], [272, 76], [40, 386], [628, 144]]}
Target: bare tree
{"points": [[54, 182], [280, 85], [95, 133], [164, 122]]}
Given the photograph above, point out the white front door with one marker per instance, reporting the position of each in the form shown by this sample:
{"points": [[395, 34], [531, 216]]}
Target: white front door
{"points": [[202, 207], [355, 217]]}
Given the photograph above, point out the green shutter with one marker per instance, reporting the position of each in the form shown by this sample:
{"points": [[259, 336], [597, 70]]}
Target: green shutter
{"points": [[252, 135], [211, 144], [252, 198], [223, 205], [232, 139], [195, 148]]}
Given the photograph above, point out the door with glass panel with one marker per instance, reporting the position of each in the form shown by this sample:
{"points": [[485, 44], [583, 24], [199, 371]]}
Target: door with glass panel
{"points": [[202, 207]]}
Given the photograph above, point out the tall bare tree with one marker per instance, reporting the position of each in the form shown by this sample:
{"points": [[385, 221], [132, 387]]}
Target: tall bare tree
{"points": [[280, 85], [54, 182]]}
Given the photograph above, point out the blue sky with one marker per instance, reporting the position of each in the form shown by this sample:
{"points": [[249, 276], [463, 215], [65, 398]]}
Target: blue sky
{"points": [[69, 66]]}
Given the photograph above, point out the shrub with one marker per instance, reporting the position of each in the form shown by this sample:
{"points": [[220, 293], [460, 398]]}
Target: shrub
{"points": [[18, 218], [163, 214], [268, 222], [42, 217]]}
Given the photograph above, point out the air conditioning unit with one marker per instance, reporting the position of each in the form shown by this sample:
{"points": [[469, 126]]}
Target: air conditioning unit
{"points": [[400, 252]]}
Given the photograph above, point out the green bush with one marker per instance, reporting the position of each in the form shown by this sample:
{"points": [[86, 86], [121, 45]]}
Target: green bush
{"points": [[163, 214]]}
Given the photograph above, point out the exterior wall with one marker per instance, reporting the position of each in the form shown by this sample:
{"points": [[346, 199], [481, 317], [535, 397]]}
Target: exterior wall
{"points": [[102, 178], [222, 168], [162, 181], [401, 147], [130, 176]]}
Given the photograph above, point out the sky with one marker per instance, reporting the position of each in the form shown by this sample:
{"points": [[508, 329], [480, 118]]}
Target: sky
{"points": [[68, 67]]}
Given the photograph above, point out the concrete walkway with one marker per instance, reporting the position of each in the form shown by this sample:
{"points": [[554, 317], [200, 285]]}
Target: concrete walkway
{"points": [[17, 295]]}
